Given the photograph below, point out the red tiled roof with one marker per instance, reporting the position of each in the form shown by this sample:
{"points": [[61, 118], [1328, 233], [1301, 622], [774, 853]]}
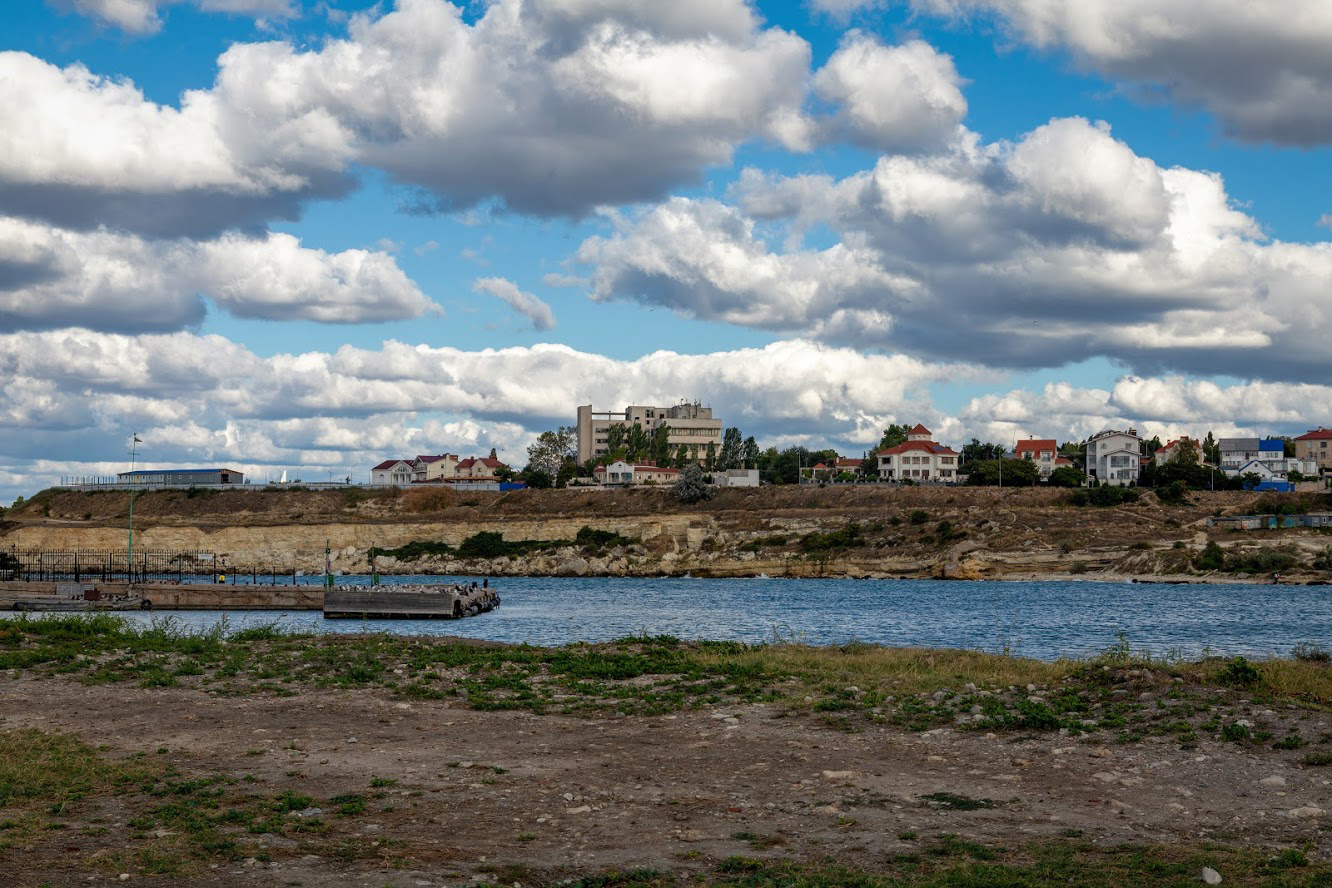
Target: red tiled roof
{"points": [[1037, 444], [656, 469], [1315, 435], [430, 459], [927, 446], [1175, 443], [919, 430], [387, 464], [819, 466], [1063, 461], [849, 463]]}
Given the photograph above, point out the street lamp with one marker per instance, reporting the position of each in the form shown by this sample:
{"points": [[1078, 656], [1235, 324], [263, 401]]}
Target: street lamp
{"points": [[134, 452]]}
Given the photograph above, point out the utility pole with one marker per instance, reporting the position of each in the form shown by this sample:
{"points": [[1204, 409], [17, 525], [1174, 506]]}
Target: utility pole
{"points": [[134, 452]]}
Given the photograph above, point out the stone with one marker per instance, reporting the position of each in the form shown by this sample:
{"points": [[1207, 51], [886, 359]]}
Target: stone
{"points": [[1211, 876], [1305, 811], [1274, 780]]}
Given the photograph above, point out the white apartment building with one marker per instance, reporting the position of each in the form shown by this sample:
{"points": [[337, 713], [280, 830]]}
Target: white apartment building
{"points": [[918, 459], [691, 425], [1115, 457]]}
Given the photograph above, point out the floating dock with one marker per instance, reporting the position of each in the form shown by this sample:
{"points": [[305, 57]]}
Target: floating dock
{"points": [[425, 602]]}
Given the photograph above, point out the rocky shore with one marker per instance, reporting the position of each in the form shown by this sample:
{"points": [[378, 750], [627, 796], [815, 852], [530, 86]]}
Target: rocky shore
{"points": [[947, 533]]}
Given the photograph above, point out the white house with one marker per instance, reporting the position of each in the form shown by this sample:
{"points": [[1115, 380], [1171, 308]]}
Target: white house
{"points": [[1044, 452], [620, 472], [1115, 457], [918, 459], [393, 471], [736, 478]]}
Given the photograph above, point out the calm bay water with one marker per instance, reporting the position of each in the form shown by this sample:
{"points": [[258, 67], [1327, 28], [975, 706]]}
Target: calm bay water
{"points": [[1039, 619]]}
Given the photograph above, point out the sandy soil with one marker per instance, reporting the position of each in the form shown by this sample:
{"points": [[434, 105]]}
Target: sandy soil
{"points": [[487, 795]]}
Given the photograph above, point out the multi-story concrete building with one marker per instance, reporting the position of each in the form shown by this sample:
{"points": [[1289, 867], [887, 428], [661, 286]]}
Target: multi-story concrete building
{"points": [[1316, 445], [918, 459], [1115, 457], [691, 426], [1239, 452]]}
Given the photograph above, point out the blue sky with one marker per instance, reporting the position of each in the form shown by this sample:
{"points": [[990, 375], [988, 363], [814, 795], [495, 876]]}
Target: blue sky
{"points": [[299, 235]]}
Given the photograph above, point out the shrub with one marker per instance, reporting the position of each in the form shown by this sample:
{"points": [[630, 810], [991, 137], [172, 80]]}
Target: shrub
{"points": [[919, 516], [1212, 557], [1239, 672], [1173, 494], [1311, 652], [846, 538], [486, 544], [692, 488]]}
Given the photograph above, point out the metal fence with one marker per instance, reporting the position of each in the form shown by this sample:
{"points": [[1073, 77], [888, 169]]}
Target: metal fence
{"points": [[40, 565]]}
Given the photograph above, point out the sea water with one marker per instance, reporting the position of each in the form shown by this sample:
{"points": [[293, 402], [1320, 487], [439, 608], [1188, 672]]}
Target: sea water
{"points": [[1035, 619]]}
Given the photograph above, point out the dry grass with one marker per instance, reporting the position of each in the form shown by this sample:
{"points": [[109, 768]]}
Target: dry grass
{"points": [[428, 499], [892, 670]]}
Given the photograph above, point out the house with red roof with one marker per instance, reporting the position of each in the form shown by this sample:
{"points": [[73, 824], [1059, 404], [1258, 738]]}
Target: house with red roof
{"points": [[918, 458], [1316, 445], [1167, 453], [1044, 452], [394, 471], [479, 468], [621, 472]]}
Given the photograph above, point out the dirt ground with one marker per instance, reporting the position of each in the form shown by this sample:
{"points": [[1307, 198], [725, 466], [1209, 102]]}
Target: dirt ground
{"points": [[458, 795]]}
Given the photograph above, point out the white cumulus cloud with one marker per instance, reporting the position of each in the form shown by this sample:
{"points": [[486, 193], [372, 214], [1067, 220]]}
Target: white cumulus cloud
{"points": [[522, 302], [1264, 69], [1061, 246], [51, 277]]}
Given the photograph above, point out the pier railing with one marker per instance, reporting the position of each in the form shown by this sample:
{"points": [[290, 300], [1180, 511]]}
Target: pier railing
{"points": [[82, 565]]}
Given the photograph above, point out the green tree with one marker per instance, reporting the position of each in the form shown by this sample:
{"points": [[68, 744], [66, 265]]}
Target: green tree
{"points": [[784, 467], [1151, 445], [751, 453], [1067, 476], [538, 478], [615, 438], [553, 449], [637, 444], [893, 435], [977, 451], [1289, 446], [681, 456], [1186, 453], [1211, 451], [1011, 472], [691, 488], [732, 454], [710, 462], [661, 444]]}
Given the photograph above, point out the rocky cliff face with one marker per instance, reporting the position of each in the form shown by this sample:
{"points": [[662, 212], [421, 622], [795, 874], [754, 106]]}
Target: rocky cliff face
{"points": [[954, 533]]}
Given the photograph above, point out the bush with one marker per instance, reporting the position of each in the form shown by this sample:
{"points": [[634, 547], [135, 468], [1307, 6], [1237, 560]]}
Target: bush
{"points": [[1212, 557], [919, 516], [1311, 652], [692, 488], [846, 538], [1239, 672], [1103, 496], [486, 544], [1173, 494]]}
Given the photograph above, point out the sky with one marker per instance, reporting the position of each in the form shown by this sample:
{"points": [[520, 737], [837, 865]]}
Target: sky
{"points": [[311, 235]]}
